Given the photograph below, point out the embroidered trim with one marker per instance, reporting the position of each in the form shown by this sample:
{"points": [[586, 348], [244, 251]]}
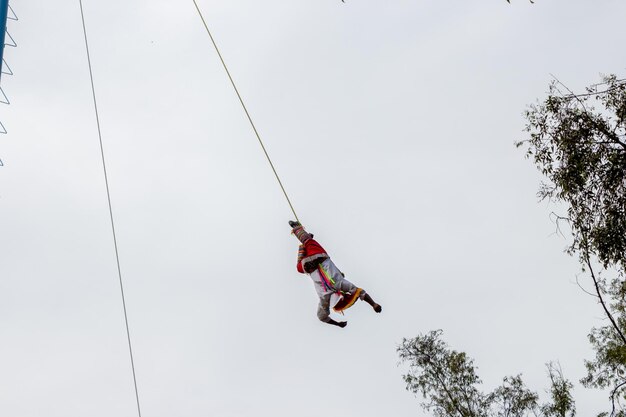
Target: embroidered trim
{"points": [[312, 258], [347, 301]]}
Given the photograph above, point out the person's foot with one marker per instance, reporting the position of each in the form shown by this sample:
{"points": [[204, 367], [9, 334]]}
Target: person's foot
{"points": [[294, 223], [342, 324], [377, 308]]}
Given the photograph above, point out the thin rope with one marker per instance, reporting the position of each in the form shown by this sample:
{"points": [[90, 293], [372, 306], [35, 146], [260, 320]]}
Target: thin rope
{"points": [[245, 109], [106, 182]]}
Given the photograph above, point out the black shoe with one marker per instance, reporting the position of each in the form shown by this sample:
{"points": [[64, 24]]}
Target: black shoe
{"points": [[294, 223]]}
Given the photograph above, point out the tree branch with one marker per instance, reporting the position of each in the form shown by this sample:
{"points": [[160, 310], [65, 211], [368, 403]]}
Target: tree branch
{"points": [[595, 93], [606, 310], [612, 136], [437, 375], [584, 290], [613, 397]]}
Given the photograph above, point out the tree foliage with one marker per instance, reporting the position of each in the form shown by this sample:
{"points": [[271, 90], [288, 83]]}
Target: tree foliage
{"points": [[578, 142], [450, 386], [562, 403]]}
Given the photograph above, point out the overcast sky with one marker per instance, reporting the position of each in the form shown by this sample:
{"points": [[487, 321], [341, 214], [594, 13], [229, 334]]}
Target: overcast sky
{"points": [[392, 125]]}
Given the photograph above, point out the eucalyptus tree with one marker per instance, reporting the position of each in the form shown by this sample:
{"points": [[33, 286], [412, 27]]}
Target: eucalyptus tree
{"points": [[578, 142], [448, 382]]}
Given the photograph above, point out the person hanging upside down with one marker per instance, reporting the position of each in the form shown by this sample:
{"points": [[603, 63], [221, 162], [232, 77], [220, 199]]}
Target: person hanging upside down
{"points": [[328, 280]]}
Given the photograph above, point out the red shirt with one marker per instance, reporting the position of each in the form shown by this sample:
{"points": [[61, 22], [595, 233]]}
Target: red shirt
{"points": [[310, 248]]}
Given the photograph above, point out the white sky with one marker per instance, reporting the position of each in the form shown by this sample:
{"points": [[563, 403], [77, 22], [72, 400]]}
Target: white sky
{"points": [[392, 125]]}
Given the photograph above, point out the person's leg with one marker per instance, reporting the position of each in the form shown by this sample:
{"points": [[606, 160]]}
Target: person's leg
{"points": [[323, 312], [348, 287], [377, 307]]}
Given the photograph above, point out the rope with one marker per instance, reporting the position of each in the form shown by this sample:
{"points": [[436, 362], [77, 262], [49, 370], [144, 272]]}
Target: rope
{"points": [[106, 181], [245, 109]]}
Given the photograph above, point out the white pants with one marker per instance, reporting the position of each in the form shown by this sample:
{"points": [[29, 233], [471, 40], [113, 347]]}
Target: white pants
{"points": [[328, 280]]}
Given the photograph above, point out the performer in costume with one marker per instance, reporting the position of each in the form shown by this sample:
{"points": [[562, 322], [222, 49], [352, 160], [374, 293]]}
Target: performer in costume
{"points": [[329, 282]]}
